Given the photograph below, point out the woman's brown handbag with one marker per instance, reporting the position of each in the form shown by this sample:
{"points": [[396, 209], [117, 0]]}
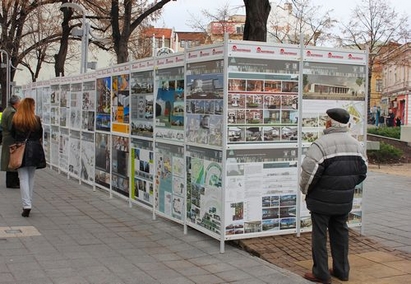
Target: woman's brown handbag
{"points": [[16, 155]]}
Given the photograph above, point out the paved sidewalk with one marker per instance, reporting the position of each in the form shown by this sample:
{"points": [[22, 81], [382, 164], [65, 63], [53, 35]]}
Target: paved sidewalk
{"points": [[76, 236], [388, 209], [382, 255]]}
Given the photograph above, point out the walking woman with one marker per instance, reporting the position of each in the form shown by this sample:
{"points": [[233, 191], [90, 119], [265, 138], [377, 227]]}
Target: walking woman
{"points": [[26, 125]]}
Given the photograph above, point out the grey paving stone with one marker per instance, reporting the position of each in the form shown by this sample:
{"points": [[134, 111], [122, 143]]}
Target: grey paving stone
{"points": [[71, 280], [29, 275], [163, 274], [279, 278], [219, 267], [6, 277], [207, 279], [261, 270], [192, 271], [234, 275], [52, 264], [178, 280], [61, 272]]}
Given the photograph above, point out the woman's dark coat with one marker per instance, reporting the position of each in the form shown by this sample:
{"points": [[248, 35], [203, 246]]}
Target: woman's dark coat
{"points": [[34, 153]]}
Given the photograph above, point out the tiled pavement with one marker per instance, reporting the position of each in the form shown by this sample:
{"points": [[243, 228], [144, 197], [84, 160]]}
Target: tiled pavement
{"points": [[75, 235], [381, 255]]}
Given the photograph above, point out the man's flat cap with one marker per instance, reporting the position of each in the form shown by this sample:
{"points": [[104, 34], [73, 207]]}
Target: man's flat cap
{"points": [[339, 114]]}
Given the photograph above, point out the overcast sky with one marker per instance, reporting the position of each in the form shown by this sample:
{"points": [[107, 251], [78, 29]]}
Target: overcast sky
{"points": [[177, 13]]}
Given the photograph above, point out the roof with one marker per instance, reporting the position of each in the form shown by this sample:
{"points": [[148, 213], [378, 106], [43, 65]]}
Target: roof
{"points": [[191, 35], [158, 32]]}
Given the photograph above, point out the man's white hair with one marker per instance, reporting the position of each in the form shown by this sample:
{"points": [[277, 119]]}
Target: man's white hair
{"points": [[335, 123]]}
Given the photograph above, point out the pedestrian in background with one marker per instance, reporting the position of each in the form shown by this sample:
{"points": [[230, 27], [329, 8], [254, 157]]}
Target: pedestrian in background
{"points": [[26, 125], [377, 116], [390, 118], [1, 130], [12, 177], [398, 121], [333, 166]]}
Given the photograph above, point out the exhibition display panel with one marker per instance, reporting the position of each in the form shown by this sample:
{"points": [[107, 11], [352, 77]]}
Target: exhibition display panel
{"points": [[211, 138], [87, 128], [142, 112]]}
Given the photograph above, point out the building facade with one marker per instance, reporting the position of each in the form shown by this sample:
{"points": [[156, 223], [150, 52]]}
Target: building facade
{"points": [[168, 40], [396, 74], [234, 27]]}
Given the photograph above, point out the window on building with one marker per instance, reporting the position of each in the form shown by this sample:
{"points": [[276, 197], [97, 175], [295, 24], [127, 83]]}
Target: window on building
{"points": [[378, 85], [183, 43], [158, 43], [167, 42], [386, 77], [395, 75], [240, 29]]}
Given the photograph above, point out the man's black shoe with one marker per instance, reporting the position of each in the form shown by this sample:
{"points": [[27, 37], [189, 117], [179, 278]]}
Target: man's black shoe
{"points": [[311, 277]]}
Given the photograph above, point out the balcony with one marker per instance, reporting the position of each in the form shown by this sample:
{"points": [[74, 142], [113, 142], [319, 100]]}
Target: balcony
{"points": [[396, 88]]}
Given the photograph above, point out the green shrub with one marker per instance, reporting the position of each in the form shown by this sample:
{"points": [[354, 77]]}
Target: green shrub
{"points": [[387, 154], [392, 132]]}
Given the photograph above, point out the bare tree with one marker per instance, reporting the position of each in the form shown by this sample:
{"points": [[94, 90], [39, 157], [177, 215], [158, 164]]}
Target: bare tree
{"points": [[120, 21], [116, 22], [141, 44], [14, 32], [128, 23], [221, 19], [40, 24], [257, 12], [300, 17], [373, 25]]}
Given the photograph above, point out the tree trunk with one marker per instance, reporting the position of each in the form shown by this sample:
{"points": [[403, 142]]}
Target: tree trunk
{"points": [[121, 32], [3, 87], [60, 57], [121, 49], [257, 12]]}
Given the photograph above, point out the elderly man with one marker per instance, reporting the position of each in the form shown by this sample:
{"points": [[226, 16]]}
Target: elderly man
{"points": [[12, 177], [333, 166]]}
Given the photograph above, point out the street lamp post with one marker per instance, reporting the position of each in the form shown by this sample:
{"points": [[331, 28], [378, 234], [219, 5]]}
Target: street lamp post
{"points": [[7, 65], [86, 39], [84, 35]]}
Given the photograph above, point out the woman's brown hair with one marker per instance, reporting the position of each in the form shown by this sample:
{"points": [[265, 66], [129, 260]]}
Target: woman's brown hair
{"points": [[25, 119]]}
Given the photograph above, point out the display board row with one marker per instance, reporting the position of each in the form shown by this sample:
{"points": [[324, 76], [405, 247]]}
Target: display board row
{"points": [[211, 138]]}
